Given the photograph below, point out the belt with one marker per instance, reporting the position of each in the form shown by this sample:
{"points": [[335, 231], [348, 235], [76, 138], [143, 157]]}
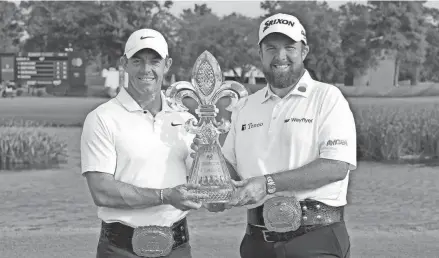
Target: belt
{"points": [[314, 215], [120, 235]]}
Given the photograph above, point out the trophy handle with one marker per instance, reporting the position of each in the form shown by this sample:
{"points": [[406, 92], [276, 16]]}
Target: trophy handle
{"points": [[192, 126], [232, 89], [180, 90]]}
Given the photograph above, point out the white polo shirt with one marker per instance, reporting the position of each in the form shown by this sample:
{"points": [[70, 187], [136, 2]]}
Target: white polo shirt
{"points": [[271, 135], [121, 139]]}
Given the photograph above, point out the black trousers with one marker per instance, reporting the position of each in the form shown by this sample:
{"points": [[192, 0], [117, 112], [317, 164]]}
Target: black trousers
{"points": [[329, 241]]}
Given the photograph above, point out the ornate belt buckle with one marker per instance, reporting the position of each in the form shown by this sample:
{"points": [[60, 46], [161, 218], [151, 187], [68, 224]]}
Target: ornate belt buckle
{"points": [[282, 214], [152, 241]]}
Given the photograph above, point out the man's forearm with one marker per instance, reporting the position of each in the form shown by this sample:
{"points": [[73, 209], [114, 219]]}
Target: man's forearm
{"points": [[311, 176], [120, 195]]}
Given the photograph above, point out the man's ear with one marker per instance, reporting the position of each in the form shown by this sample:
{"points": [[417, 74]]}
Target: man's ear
{"points": [[168, 64], [123, 61], [305, 51], [260, 52]]}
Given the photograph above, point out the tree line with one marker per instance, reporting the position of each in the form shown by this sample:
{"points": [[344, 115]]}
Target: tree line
{"points": [[344, 42]]}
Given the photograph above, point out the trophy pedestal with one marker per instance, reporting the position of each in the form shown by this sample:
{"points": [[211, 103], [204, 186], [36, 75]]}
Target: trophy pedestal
{"points": [[214, 194], [211, 172]]}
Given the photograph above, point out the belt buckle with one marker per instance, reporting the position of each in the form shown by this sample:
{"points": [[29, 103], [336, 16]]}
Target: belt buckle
{"points": [[152, 241], [282, 214], [265, 236]]}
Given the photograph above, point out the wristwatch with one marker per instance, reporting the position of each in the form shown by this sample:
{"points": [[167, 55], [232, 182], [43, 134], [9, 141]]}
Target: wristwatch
{"points": [[271, 185]]}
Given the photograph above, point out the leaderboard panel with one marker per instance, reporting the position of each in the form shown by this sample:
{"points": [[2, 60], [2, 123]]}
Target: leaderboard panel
{"points": [[57, 72], [42, 68]]}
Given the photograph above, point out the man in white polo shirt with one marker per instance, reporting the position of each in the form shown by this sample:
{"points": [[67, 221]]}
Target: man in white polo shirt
{"points": [[295, 138], [135, 157]]}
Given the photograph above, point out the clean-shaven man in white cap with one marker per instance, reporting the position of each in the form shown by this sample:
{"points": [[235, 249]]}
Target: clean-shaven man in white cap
{"points": [[135, 157], [292, 145]]}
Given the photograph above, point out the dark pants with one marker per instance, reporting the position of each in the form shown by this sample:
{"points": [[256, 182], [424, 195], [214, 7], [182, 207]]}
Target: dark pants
{"points": [[115, 241], [106, 250], [329, 241]]}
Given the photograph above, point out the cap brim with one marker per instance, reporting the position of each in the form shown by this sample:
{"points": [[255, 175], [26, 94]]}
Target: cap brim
{"points": [[133, 51], [291, 37]]}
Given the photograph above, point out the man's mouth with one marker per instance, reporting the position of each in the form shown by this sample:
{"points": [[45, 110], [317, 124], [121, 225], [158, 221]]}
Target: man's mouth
{"points": [[146, 78], [281, 67]]}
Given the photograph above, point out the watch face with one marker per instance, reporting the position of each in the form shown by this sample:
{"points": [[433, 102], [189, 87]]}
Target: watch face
{"points": [[271, 190]]}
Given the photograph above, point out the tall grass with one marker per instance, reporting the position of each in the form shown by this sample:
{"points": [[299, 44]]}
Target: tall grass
{"points": [[391, 132], [30, 147]]}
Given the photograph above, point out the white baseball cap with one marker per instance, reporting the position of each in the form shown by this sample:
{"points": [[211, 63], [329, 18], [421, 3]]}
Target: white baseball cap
{"points": [[285, 24], [146, 38]]}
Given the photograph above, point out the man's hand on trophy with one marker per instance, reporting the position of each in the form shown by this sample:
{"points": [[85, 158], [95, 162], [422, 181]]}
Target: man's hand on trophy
{"points": [[181, 198], [248, 191], [195, 145]]}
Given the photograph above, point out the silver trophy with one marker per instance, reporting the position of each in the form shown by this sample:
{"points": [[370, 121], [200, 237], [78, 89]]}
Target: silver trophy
{"points": [[209, 168]]}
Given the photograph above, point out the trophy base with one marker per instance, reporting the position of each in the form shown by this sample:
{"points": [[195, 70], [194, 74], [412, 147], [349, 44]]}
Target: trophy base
{"points": [[214, 194]]}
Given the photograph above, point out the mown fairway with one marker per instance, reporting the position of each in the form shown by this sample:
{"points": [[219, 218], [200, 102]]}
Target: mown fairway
{"points": [[49, 213]]}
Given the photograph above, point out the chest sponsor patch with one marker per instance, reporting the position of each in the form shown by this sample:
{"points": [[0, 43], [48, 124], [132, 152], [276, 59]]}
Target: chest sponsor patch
{"points": [[250, 126], [298, 120]]}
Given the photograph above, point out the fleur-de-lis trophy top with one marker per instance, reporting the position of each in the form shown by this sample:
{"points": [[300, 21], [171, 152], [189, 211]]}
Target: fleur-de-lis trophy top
{"points": [[206, 88]]}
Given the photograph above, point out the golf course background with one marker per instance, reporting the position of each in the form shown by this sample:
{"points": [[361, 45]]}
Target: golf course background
{"points": [[392, 209]]}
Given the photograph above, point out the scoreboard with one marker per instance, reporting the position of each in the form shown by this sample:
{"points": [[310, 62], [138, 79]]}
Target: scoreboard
{"points": [[42, 68], [53, 70]]}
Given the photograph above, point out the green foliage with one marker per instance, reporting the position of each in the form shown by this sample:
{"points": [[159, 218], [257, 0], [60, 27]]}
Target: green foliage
{"points": [[390, 131], [99, 29], [355, 40], [344, 42], [11, 29], [403, 28], [29, 147], [231, 39]]}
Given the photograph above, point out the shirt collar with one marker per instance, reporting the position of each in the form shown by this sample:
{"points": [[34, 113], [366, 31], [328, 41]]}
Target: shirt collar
{"points": [[125, 99], [303, 88]]}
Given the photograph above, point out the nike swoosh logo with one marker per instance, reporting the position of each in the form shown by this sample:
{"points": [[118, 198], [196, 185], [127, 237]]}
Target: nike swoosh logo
{"points": [[146, 37], [175, 124]]}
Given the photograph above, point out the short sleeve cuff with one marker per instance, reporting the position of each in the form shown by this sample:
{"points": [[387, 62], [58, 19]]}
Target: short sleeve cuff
{"points": [[104, 169], [348, 158]]}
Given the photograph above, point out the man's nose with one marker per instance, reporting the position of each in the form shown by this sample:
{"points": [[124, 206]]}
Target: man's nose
{"points": [[282, 53], [146, 67]]}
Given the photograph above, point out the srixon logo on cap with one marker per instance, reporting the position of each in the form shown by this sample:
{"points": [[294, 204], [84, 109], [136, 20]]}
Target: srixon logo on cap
{"points": [[277, 21]]}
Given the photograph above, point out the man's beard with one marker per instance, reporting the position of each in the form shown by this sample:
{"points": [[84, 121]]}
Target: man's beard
{"points": [[282, 80]]}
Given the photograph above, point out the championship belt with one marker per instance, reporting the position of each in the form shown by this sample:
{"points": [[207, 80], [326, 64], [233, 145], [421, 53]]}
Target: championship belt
{"points": [[282, 214], [152, 241]]}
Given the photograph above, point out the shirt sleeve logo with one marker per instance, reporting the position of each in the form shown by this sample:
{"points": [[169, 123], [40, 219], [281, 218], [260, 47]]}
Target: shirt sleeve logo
{"points": [[337, 142]]}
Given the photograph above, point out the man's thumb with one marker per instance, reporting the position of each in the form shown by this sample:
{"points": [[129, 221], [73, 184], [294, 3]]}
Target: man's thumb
{"points": [[239, 183]]}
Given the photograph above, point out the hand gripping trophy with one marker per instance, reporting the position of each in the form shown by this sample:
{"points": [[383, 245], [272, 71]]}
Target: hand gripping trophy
{"points": [[209, 168]]}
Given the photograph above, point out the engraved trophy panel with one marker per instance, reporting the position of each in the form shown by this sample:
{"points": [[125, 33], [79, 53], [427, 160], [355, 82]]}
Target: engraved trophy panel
{"points": [[209, 168]]}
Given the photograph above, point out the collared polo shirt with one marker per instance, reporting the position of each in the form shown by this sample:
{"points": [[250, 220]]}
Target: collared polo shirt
{"points": [[121, 139], [271, 134]]}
